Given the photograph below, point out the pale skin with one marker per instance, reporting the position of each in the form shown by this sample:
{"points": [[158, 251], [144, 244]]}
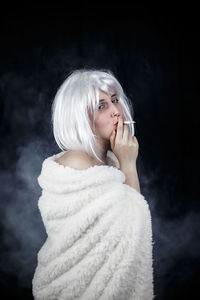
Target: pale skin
{"points": [[123, 144], [106, 117]]}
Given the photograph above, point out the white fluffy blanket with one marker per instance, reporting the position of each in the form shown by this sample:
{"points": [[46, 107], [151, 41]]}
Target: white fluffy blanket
{"points": [[99, 235]]}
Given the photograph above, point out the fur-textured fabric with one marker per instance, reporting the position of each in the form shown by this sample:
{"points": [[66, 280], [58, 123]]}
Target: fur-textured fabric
{"points": [[99, 235]]}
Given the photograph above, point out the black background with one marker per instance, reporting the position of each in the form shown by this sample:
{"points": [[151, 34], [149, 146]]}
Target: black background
{"points": [[154, 53]]}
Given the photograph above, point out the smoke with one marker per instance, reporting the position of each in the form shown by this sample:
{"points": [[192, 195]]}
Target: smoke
{"points": [[175, 239], [26, 117], [23, 231]]}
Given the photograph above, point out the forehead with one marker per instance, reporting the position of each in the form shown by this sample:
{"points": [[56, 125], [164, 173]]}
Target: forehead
{"points": [[104, 95]]}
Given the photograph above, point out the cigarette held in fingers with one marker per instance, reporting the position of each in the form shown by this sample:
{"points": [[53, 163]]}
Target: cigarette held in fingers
{"points": [[129, 122]]}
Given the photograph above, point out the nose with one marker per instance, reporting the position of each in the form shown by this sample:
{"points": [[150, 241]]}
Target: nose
{"points": [[115, 112]]}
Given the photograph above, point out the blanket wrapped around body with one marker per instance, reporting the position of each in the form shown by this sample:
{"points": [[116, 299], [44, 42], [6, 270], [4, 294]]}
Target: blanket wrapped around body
{"points": [[99, 235]]}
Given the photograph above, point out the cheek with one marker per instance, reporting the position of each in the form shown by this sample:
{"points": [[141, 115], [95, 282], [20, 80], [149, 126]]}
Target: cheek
{"points": [[101, 124], [120, 110]]}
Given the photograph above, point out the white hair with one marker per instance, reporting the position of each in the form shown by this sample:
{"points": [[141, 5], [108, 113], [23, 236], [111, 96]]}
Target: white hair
{"points": [[77, 95]]}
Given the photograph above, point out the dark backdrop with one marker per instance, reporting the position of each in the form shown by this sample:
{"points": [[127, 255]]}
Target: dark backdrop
{"points": [[154, 53]]}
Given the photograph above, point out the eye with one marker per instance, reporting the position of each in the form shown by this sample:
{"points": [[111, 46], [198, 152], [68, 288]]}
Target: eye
{"points": [[100, 106], [103, 104], [116, 100]]}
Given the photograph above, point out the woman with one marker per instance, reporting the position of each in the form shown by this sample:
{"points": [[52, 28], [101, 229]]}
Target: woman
{"points": [[99, 235]]}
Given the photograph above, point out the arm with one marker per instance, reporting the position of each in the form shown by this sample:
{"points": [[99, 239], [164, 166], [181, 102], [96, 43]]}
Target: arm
{"points": [[131, 176]]}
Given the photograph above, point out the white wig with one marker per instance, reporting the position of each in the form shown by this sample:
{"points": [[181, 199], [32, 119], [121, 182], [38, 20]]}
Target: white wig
{"points": [[78, 95]]}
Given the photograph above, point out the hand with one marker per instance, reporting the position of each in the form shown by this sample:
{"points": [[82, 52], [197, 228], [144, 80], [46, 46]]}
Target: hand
{"points": [[123, 144]]}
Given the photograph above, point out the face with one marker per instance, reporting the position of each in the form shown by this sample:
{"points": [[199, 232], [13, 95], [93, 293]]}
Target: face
{"points": [[108, 111]]}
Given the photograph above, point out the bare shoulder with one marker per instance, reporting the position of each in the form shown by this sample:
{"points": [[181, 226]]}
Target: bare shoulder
{"points": [[76, 160]]}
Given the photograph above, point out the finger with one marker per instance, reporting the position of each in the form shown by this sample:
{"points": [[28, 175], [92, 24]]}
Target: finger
{"points": [[112, 139], [135, 141], [126, 133], [120, 129], [131, 137]]}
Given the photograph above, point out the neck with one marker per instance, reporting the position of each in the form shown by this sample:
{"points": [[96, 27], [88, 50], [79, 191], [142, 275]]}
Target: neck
{"points": [[102, 149]]}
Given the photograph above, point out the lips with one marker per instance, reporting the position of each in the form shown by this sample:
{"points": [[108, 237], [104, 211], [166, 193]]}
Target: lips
{"points": [[116, 124]]}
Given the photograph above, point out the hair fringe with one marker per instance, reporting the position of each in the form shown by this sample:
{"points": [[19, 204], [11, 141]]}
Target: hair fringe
{"points": [[77, 95]]}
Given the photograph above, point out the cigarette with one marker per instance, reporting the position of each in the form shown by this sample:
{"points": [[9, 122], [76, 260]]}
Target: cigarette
{"points": [[129, 122]]}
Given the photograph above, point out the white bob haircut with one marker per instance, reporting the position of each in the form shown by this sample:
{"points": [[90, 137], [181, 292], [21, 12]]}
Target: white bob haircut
{"points": [[78, 95]]}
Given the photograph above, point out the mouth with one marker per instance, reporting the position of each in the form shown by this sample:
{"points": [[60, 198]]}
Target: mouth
{"points": [[116, 124]]}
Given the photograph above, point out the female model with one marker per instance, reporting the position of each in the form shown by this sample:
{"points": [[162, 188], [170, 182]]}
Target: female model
{"points": [[98, 224]]}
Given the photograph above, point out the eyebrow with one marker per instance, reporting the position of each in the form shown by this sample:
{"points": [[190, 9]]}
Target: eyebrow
{"points": [[102, 100]]}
